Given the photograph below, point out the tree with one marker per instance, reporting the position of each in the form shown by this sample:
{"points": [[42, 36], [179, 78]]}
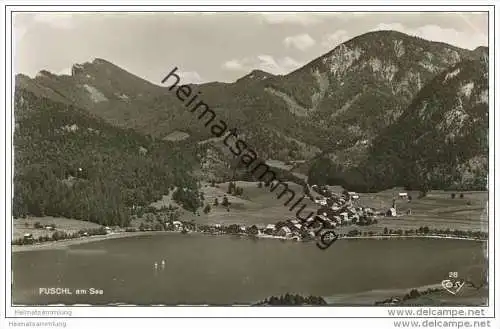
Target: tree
{"points": [[231, 186], [453, 195], [414, 293], [225, 202], [207, 209], [253, 230], [345, 193], [233, 229], [216, 202], [259, 185], [461, 195], [386, 231]]}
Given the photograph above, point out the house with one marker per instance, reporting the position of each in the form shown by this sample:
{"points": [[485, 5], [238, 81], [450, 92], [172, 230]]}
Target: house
{"points": [[28, 237], [142, 150], [310, 221], [369, 211], [403, 195], [298, 226], [284, 231], [177, 225], [394, 301], [50, 228], [323, 217], [270, 228], [321, 202], [294, 221], [296, 236], [107, 229], [355, 197], [243, 229], [391, 212]]}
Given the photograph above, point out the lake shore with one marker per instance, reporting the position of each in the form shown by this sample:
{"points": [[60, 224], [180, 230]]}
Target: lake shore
{"points": [[61, 244]]}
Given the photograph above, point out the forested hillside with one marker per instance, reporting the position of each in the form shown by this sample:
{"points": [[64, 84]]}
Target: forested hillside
{"points": [[71, 164], [440, 140]]}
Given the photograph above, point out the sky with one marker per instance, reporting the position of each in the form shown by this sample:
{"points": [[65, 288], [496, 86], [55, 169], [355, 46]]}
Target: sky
{"points": [[215, 46]]}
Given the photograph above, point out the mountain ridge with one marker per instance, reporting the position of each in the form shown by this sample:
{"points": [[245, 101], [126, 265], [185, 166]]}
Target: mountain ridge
{"points": [[336, 105]]}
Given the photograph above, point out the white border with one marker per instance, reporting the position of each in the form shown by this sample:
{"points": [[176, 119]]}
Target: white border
{"points": [[354, 312]]}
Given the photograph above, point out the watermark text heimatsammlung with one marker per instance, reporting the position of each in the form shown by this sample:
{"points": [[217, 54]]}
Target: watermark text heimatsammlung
{"points": [[249, 158]]}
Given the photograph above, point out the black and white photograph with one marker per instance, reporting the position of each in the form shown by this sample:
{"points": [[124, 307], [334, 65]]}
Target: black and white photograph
{"points": [[297, 160]]}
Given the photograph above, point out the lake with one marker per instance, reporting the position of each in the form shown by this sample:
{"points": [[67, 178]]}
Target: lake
{"points": [[202, 269]]}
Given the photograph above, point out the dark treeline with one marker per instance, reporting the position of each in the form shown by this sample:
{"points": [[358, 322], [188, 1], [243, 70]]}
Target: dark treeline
{"points": [[290, 300], [71, 164]]}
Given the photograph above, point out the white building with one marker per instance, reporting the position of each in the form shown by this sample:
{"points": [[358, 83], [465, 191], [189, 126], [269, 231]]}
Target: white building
{"points": [[284, 231], [392, 212], [321, 202], [270, 227]]}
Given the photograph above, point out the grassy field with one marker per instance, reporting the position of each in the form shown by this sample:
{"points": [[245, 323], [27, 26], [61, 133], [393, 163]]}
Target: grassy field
{"points": [[437, 210], [256, 205], [26, 225]]}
